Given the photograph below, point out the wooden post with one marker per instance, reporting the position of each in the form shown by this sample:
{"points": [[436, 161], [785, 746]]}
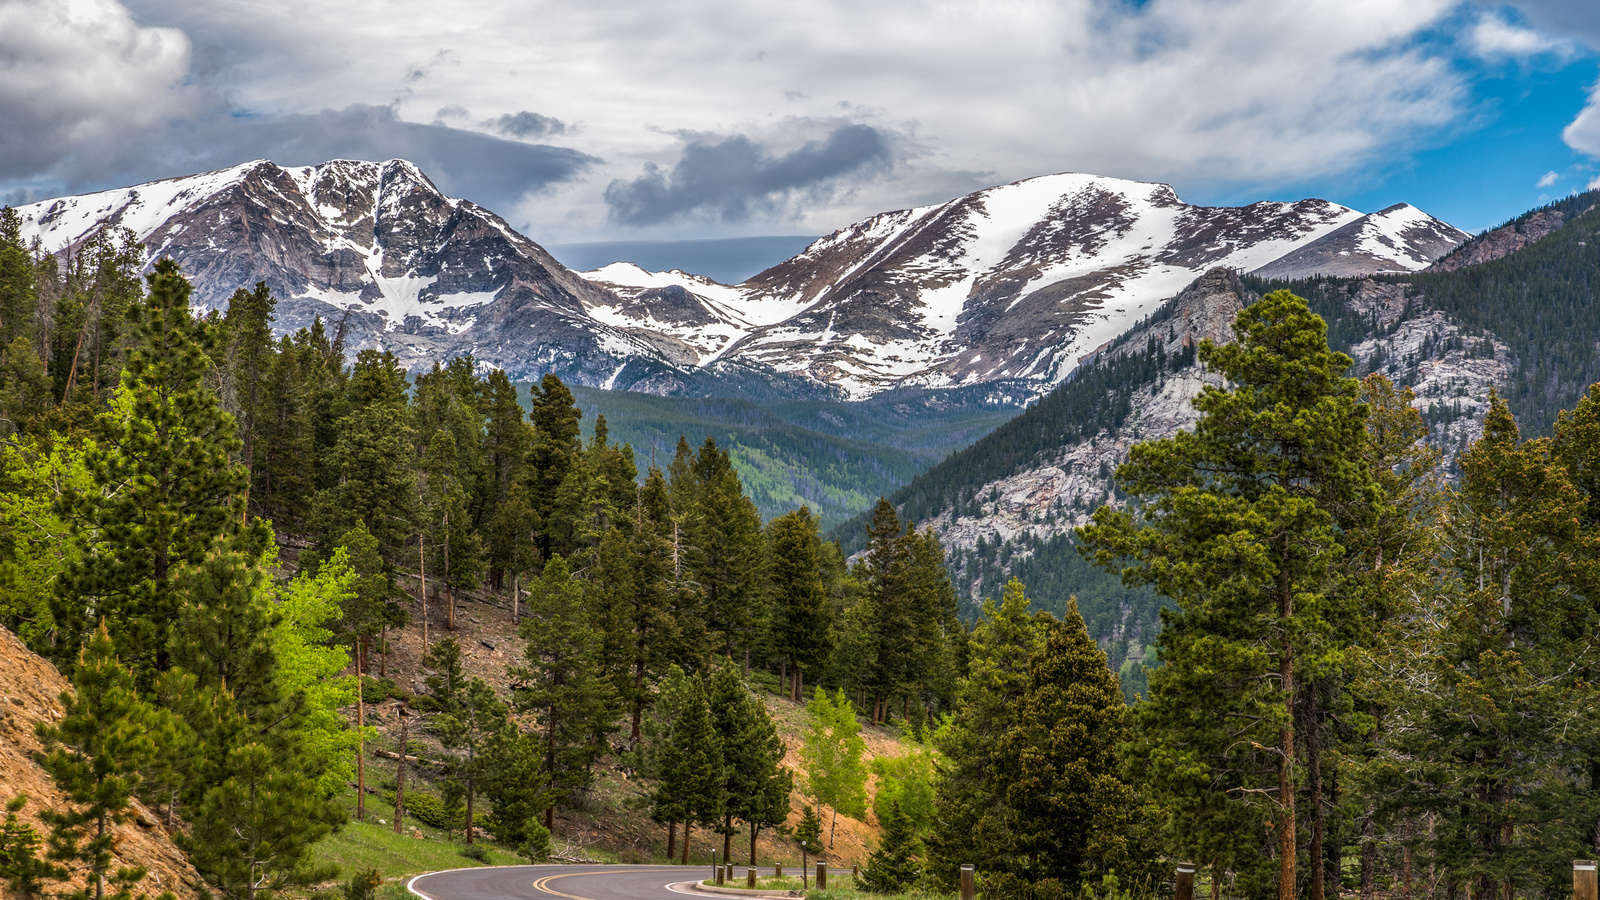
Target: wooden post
{"points": [[1183, 888], [1583, 880], [750, 878], [855, 871], [968, 887], [716, 871], [777, 870], [727, 871], [822, 876]]}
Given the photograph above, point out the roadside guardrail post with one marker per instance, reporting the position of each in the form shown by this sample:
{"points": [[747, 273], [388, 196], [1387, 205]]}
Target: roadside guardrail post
{"points": [[822, 876], [1584, 885], [750, 878], [1183, 888], [968, 888]]}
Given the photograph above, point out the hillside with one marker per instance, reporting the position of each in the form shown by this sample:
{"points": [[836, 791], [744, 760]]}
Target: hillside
{"points": [[30, 688], [836, 457], [606, 826]]}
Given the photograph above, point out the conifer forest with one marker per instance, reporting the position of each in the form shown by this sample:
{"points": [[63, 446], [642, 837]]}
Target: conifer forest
{"points": [[1370, 680]]}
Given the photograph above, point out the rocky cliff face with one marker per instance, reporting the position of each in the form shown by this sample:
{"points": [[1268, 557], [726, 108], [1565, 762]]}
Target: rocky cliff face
{"points": [[1498, 242]]}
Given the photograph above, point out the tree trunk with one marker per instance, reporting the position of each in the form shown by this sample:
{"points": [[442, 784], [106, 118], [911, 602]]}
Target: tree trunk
{"points": [[833, 829], [753, 832], [672, 839], [1369, 857], [685, 859], [400, 778], [1314, 779], [1286, 824], [361, 749], [422, 576], [727, 838]]}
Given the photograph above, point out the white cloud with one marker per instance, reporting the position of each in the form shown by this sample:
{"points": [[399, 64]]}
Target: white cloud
{"points": [[1547, 179], [1493, 36], [1594, 183], [80, 77], [1219, 93], [1583, 134]]}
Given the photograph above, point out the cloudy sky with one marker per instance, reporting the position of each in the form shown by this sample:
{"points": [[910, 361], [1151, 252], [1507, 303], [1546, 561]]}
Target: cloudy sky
{"points": [[629, 119]]}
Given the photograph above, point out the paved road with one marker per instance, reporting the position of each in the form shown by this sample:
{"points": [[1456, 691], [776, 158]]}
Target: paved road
{"points": [[563, 882]]}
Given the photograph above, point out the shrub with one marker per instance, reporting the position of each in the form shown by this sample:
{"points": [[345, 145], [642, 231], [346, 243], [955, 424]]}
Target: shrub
{"points": [[362, 885]]}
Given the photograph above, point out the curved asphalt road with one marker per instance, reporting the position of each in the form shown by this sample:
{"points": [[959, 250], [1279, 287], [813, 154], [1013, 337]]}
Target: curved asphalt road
{"points": [[564, 883]]}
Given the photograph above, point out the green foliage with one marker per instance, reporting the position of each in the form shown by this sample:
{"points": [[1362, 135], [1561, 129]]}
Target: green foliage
{"points": [[832, 771], [22, 869], [809, 832], [164, 487], [36, 548], [93, 755], [311, 666], [892, 867], [906, 782], [362, 885]]}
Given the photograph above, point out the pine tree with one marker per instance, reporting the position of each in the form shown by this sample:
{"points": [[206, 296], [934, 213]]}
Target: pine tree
{"points": [[1070, 816], [1503, 713], [249, 354], [93, 755], [802, 630], [555, 447], [562, 681], [830, 758], [1235, 525], [755, 784], [695, 771], [725, 554], [165, 487], [970, 823], [373, 479], [892, 868], [477, 717]]}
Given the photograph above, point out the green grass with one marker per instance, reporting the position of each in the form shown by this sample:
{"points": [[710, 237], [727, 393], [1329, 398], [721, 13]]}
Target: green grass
{"points": [[357, 847], [839, 883], [850, 893]]}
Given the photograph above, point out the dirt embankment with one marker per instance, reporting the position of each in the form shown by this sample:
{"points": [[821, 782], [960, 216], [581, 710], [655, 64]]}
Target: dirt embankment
{"points": [[30, 690]]}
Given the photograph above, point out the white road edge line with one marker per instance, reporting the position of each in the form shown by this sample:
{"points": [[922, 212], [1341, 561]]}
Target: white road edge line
{"points": [[411, 883]]}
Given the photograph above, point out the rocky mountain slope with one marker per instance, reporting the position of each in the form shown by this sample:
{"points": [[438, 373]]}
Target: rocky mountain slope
{"points": [[1523, 319], [1014, 283], [377, 248], [1401, 238], [30, 690]]}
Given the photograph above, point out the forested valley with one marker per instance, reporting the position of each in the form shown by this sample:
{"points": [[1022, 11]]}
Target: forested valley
{"points": [[1369, 681]]}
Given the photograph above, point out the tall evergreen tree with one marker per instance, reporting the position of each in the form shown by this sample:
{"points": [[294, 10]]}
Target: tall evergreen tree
{"points": [[165, 487], [755, 784], [802, 632], [562, 682], [1235, 526]]}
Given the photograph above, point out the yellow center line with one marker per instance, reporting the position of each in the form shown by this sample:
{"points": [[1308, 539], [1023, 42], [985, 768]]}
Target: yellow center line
{"points": [[543, 884]]}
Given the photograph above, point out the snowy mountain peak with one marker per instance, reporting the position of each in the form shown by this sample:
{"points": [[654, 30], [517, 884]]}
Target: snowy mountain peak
{"points": [[1399, 238]]}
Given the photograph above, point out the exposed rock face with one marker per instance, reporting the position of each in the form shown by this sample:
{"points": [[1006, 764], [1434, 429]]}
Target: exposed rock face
{"points": [[1064, 492], [1401, 238], [1450, 373], [1501, 241], [30, 688]]}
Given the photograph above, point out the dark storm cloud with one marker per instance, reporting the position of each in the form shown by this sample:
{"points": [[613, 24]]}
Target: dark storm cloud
{"points": [[527, 125], [735, 177], [491, 171]]}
